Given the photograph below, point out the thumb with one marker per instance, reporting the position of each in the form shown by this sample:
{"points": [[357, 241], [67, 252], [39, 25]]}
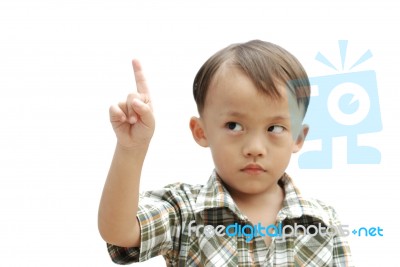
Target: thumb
{"points": [[144, 111]]}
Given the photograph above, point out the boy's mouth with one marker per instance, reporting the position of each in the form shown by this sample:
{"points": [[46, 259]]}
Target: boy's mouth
{"points": [[253, 169]]}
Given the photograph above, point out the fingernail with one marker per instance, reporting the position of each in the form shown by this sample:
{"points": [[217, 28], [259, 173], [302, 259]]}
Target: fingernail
{"points": [[132, 120]]}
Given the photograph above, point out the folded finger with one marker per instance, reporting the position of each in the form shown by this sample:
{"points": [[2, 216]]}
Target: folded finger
{"points": [[116, 114], [132, 116]]}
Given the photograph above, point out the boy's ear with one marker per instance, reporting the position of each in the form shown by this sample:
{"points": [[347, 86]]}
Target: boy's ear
{"points": [[197, 128], [300, 138]]}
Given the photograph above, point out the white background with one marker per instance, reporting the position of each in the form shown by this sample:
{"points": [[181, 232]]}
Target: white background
{"points": [[63, 63]]}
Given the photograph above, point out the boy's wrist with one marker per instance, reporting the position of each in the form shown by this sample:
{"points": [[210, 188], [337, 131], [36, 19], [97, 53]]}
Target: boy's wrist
{"points": [[134, 150]]}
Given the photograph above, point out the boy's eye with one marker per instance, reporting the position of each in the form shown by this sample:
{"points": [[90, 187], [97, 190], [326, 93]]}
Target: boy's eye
{"points": [[234, 126], [276, 129]]}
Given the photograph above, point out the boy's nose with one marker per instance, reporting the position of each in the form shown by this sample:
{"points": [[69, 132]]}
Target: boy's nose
{"points": [[255, 147]]}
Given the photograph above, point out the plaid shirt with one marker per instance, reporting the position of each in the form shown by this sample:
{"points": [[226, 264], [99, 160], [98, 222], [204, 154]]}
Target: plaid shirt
{"points": [[165, 216]]}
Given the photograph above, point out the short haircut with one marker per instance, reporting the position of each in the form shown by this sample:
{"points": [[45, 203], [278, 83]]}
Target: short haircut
{"points": [[266, 64]]}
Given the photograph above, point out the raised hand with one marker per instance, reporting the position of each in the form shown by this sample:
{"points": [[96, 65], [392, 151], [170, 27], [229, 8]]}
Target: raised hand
{"points": [[133, 120]]}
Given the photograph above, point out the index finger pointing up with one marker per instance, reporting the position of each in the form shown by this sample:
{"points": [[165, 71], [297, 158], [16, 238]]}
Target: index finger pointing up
{"points": [[141, 84]]}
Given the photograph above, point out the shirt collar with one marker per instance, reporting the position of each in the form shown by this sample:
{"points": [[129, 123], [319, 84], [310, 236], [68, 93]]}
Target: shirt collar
{"points": [[296, 206], [214, 195]]}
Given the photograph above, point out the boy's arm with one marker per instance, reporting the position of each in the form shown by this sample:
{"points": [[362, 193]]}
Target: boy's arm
{"points": [[133, 124]]}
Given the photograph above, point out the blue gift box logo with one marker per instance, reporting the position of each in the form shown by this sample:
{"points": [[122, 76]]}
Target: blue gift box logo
{"points": [[345, 104]]}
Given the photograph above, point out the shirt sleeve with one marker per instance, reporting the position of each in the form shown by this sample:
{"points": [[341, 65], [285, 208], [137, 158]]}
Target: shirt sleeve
{"points": [[160, 219], [341, 254]]}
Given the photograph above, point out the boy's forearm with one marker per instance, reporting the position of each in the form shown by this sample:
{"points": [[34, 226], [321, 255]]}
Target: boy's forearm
{"points": [[119, 201]]}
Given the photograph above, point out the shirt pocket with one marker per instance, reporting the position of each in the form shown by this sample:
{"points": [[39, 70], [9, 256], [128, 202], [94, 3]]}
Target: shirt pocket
{"points": [[211, 251], [312, 250]]}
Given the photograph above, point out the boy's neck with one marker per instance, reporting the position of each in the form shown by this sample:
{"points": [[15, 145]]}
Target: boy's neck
{"points": [[270, 200]]}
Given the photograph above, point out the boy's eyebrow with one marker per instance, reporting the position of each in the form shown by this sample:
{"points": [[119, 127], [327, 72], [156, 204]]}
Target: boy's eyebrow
{"points": [[239, 114], [234, 114]]}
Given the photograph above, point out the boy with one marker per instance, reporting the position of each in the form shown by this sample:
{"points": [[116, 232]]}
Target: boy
{"points": [[251, 99]]}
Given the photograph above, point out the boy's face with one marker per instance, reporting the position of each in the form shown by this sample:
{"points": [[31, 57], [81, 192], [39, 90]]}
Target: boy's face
{"points": [[250, 134]]}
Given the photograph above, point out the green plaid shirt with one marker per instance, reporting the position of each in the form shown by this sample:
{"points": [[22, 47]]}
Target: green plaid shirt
{"points": [[165, 215]]}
